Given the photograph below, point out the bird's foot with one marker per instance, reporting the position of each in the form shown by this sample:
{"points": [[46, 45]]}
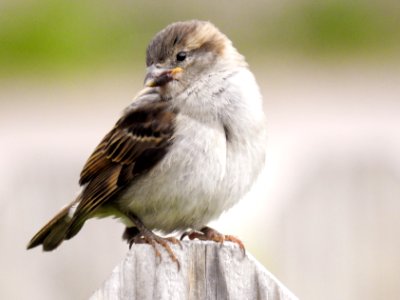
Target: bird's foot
{"points": [[142, 235], [154, 239], [209, 234]]}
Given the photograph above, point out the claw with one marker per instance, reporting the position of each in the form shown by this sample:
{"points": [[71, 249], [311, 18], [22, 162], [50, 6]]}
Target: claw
{"points": [[146, 236], [209, 234], [185, 234], [174, 241]]}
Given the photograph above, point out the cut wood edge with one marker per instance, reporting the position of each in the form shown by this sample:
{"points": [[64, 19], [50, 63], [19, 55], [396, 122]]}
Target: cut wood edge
{"points": [[208, 271]]}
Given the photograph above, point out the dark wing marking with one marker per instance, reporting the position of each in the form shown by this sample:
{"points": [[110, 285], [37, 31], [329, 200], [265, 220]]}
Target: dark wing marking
{"points": [[137, 142]]}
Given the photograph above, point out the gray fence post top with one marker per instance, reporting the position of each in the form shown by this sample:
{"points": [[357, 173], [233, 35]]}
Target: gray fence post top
{"points": [[208, 271]]}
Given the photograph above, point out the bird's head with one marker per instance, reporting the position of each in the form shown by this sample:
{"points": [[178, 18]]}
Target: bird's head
{"points": [[185, 52]]}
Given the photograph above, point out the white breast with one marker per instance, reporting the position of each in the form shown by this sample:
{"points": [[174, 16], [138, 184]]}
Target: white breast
{"points": [[202, 175]]}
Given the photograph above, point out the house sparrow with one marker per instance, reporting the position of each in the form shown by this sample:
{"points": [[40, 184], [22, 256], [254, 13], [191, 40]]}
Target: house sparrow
{"points": [[187, 148]]}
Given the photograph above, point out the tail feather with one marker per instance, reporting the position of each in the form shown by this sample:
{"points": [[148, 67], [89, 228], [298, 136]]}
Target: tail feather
{"points": [[54, 232]]}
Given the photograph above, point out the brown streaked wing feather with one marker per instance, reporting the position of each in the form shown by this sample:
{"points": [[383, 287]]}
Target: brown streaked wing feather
{"points": [[96, 162], [136, 143]]}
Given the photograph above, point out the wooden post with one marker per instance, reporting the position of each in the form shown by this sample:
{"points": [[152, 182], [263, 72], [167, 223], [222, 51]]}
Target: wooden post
{"points": [[208, 271]]}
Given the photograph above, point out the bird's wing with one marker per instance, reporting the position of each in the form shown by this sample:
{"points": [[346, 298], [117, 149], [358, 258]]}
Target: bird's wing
{"points": [[137, 142]]}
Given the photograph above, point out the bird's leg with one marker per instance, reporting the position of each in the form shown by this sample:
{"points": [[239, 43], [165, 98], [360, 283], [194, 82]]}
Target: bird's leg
{"points": [[209, 234], [130, 233], [142, 235]]}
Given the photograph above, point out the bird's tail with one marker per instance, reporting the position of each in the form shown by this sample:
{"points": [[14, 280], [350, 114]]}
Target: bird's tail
{"points": [[54, 232]]}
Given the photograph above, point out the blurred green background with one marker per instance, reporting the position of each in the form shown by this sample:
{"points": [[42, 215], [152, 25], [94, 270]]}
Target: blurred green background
{"points": [[324, 217], [42, 36]]}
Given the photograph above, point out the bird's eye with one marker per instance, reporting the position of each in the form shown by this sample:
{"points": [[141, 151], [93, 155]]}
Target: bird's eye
{"points": [[181, 56]]}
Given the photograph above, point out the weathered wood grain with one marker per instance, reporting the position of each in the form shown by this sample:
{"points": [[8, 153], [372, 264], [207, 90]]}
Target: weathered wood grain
{"points": [[208, 271]]}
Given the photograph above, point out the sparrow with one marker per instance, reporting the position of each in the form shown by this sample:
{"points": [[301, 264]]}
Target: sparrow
{"points": [[189, 146]]}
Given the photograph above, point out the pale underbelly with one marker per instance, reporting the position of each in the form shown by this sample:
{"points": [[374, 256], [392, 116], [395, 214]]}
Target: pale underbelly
{"points": [[198, 179], [183, 190]]}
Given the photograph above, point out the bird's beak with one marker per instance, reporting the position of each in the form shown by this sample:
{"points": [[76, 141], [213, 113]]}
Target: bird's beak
{"points": [[158, 76]]}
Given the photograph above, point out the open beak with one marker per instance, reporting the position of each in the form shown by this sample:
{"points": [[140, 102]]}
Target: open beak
{"points": [[157, 76]]}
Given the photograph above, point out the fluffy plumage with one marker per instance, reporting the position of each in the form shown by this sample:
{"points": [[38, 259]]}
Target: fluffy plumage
{"points": [[184, 151]]}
